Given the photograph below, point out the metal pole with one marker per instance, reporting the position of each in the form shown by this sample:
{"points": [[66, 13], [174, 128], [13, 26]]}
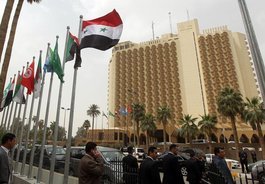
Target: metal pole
{"points": [[10, 114], [3, 117], [71, 118], [37, 121]]}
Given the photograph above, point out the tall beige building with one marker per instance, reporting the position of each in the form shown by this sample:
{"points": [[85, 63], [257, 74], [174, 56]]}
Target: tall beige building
{"points": [[184, 71]]}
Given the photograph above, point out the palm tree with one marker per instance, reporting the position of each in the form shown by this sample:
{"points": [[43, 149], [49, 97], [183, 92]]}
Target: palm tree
{"points": [[163, 114], [230, 104], [86, 125], [207, 125], [254, 113], [138, 111], [148, 126], [94, 112], [4, 24], [10, 41], [188, 127]]}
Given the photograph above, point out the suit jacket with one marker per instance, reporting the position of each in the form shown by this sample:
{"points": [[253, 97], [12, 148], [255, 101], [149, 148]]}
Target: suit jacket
{"points": [[149, 172], [90, 170], [5, 168], [194, 170], [172, 170], [223, 168], [130, 169]]}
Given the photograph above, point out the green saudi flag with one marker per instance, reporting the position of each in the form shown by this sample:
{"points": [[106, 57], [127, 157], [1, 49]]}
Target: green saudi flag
{"points": [[56, 63]]}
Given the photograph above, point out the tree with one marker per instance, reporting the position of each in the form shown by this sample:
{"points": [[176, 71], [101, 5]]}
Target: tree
{"points": [[93, 111], [163, 114], [81, 132], [207, 125], [5, 21], [188, 127], [254, 113], [230, 104], [86, 125], [61, 131], [138, 112], [148, 126]]}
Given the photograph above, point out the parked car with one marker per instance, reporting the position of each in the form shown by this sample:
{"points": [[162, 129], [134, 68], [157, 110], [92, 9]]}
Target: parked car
{"points": [[182, 158], [138, 153], [112, 159], [234, 163], [47, 156], [258, 171]]}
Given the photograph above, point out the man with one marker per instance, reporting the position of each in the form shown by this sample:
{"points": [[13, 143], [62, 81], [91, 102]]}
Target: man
{"points": [[243, 156], [149, 168], [8, 142], [220, 163], [130, 167], [195, 169], [171, 167], [91, 166]]}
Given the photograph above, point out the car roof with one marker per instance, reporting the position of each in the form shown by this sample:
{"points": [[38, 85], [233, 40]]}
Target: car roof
{"points": [[102, 148]]}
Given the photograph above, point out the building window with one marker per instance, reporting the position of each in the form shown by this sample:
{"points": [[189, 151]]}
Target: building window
{"points": [[100, 135], [115, 136]]}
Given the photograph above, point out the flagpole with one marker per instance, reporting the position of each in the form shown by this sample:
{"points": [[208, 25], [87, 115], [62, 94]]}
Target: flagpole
{"points": [[14, 116], [37, 121], [17, 119], [71, 116], [55, 137], [39, 175], [3, 117], [21, 131], [10, 114]]}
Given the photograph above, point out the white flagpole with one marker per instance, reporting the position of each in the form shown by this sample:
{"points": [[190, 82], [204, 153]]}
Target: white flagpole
{"points": [[14, 115], [10, 114], [45, 129], [37, 121], [3, 117], [56, 127], [21, 131], [71, 117]]}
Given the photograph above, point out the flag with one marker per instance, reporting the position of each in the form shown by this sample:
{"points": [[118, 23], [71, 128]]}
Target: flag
{"points": [[28, 78], [5, 95], [37, 80], [123, 111], [9, 94], [47, 65], [72, 49], [102, 33], [103, 114], [111, 114], [56, 63], [18, 95], [129, 109]]}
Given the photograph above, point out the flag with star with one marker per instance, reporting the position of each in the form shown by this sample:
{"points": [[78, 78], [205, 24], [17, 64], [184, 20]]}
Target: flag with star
{"points": [[102, 33]]}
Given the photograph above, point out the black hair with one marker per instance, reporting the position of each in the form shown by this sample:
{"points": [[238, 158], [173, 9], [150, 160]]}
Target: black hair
{"points": [[172, 146], [217, 150], [151, 149], [8, 136], [130, 149], [90, 146]]}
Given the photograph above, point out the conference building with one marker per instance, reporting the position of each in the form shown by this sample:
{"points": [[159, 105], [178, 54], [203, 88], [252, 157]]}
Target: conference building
{"points": [[184, 71]]}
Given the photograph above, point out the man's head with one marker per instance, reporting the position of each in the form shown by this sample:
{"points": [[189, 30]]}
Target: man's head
{"points": [[152, 152], [130, 150], [91, 148], [9, 140], [173, 148], [219, 151]]}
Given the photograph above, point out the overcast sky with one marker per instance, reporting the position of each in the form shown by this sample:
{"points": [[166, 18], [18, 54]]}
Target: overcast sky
{"points": [[40, 23]]}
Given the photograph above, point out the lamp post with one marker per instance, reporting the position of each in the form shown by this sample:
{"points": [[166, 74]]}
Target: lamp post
{"points": [[65, 109]]}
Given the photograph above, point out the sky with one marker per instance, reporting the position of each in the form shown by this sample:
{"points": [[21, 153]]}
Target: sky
{"points": [[41, 23]]}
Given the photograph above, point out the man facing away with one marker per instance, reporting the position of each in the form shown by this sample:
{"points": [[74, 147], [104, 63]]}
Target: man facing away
{"points": [[195, 169], [8, 142], [91, 165], [149, 173], [220, 163], [243, 156], [130, 167], [171, 167]]}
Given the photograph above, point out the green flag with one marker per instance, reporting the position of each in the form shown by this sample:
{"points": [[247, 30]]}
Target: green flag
{"points": [[111, 114], [56, 63]]}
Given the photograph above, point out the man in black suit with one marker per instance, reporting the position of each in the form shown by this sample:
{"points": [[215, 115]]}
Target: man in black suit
{"points": [[194, 168], [8, 142], [149, 173], [171, 167], [130, 167]]}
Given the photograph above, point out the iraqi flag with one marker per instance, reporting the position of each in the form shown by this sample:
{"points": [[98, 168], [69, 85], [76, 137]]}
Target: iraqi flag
{"points": [[102, 33]]}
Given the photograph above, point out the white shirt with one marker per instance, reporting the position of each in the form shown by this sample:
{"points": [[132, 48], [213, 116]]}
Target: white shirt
{"points": [[6, 150]]}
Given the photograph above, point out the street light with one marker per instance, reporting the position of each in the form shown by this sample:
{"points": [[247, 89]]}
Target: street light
{"points": [[65, 109]]}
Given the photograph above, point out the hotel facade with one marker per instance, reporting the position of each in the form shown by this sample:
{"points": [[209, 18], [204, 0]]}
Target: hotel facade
{"points": [[184, 71]]}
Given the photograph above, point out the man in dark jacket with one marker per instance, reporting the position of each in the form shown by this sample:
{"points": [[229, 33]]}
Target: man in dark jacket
{"points": [[194, 168], [243, 156], [171, 167], [130, 167], [149, 173], [91, 165]]}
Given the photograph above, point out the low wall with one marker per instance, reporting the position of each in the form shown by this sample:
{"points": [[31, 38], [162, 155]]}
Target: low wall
{"points": [[57, 178]]}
